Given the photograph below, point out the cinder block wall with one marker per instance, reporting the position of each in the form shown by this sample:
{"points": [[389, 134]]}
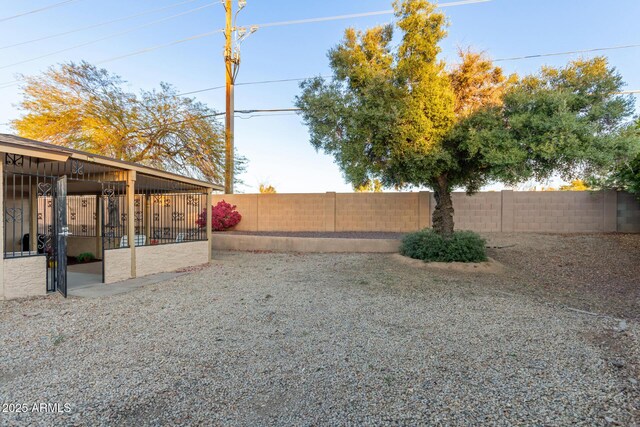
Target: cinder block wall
{"points": [[376, 212], [291, 212], [562, 211], [481, 212], [628, 213], [506, 211]]}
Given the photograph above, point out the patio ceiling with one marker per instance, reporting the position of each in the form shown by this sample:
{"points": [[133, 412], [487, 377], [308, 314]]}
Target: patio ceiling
{"points": [[59, 160]]}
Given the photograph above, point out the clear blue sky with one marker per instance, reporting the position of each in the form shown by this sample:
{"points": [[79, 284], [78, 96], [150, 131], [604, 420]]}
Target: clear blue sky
{"points": [[277, 146]]}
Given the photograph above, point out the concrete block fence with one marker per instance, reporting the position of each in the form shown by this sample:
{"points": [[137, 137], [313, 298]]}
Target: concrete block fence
{"points": [[502, 211]]}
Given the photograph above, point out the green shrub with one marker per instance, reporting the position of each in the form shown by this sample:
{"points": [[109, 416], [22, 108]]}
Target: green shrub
{"points": [[85, 257], [462, 246]]}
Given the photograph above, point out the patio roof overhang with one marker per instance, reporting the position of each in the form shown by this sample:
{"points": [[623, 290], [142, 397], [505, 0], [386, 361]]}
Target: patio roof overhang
{"points": [[27, 147]]}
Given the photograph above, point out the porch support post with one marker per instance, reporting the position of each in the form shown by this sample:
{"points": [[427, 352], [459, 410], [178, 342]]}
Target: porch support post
{"points": [[98, 226], [131, 224], [147, 215], [2, 240], [33, 217], [209, 225]]}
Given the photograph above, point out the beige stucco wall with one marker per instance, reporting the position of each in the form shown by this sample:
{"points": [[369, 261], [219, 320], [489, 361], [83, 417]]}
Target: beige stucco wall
{"points": [[506, 211], [160, 258], [24, 277], [117, 265]]}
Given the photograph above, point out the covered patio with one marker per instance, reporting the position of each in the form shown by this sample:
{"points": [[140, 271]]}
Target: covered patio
{"points": [[73, 218]]}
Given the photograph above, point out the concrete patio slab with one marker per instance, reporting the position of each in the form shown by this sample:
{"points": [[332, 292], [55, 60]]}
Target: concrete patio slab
{"points": [[99, 290]]}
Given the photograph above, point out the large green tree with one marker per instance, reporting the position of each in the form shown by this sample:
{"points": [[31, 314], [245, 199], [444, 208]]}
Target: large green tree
{"points": [[402, 116], [87, 108], [627, 176]]}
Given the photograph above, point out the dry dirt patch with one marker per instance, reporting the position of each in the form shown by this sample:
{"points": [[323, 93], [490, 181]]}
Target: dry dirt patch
{"points": [[593, 272]]}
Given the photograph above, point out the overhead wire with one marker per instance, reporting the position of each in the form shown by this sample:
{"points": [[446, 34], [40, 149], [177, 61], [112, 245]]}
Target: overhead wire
{"points": [[100, 24], [152, 48], [572, 52], [31, 12], [357, 15], [110, 36], [274, 24], [281, 23], [265, 115], [205, 116], [298, 79]]}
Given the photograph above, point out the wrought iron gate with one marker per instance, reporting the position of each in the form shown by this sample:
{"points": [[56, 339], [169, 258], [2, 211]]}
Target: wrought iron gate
{"points": [[61, 230]]}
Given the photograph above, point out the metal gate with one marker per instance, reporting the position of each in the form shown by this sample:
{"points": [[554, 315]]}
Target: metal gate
{"points": [[61, 231], [113, 217]]}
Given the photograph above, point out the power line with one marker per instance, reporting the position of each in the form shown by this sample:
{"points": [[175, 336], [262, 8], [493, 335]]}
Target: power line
{"points": [[201, 90], [357, 15], [206, 116], [266, 115], [542, 55], [273, 24], [101, 24], [160, 46], [30, 12], [9, 84], [238, 113], [271, 110], [248, 83], [626, 92], [120, 33]]}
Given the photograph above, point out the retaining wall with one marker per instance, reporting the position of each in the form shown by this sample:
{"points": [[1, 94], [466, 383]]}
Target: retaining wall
{"points": [[235, 242]]}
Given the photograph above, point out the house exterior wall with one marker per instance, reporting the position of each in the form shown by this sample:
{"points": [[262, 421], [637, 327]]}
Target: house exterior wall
{"points": [[24, 277], [161, 258], [117, 265], [499, 211]]}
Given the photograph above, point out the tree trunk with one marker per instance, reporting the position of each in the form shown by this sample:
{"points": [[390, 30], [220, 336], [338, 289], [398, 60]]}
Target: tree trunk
{"points": [[443, 214]]}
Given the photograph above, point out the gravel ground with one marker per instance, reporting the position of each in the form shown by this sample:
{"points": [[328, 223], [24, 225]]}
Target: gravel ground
{"points": [[317, 339], [594, 272]]}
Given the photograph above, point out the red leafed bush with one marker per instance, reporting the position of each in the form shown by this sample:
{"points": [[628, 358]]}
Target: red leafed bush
{"points": [[223, 216]]}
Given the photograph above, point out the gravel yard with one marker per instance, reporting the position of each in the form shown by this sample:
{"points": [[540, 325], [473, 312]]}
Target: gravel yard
{"points": [[594, 272], [323, 339]]}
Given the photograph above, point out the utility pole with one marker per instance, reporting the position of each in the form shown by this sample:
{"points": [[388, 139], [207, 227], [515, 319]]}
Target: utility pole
{"points": [[228, 134], [233, 37]]}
